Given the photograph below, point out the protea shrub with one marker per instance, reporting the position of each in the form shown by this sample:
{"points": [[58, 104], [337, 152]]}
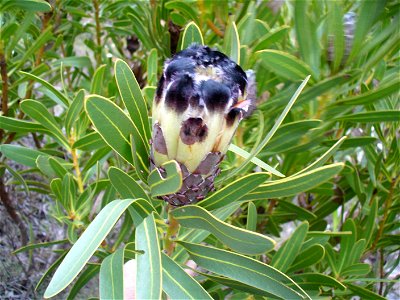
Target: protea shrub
{"points": [[201, 97]]}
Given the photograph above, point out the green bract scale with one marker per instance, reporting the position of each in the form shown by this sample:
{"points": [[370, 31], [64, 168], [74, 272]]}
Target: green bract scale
{"points": [[201, 97]]}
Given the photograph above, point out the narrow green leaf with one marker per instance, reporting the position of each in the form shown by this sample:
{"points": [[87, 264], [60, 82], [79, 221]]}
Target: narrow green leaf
{"points": [[149, 269], [39, 112], [351, 142], [112, 124], [58, 168], [91, 141], [251, 217], [170, 184], [74, 61], [21, 126], [63, 100], [371, 96], [272, 37], [22, 155], [112, 277], [358, 269], [39, 245], [284, 64], [372, 117], [246, 270], [363, 292], [238, 239], [287, 253], [243, 153], [347, 244], [371, 222], [97, 84], [192, 34], [336, 39], [294, 184], [234, 191], [152, 64], [133, 100], [178, 284], [50, 270], [324, 158], [28, 5], [86, 245], [317, 279], [125, 185], [90, 271], [73, 111], [185, 8], [69, 188], [311, 256], [232, 42]]}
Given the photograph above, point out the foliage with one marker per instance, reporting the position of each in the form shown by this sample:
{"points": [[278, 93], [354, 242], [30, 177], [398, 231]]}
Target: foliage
{"points": [[329, 146]]}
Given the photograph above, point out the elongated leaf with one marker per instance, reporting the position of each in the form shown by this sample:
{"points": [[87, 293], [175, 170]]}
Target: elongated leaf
{"points": [[238, 239], [74, 111], [178, 284], [126, 185], [62, 99], [39, 112], [22, 155], [317, 279], [271, 37], [363, 292], [91, 141], [294, 184], [39, 245], [68, 191], [287, 253], [185, 8], [112, 124], [98, 80], [91, 271], [251, 217], [306, 258], [133, 99], [191, 34], [29, 5], [15, 125], [86, 245], [335, 27], [58, 168], [284, 64], [358, 269], [50, 270], [232, 42], [170, 184], [371, 96], [140, 209], [111, 276], [246, 270], [347, 244], [372, 117], [149, 269], [254, 160], [152, 63], [234, 191]]}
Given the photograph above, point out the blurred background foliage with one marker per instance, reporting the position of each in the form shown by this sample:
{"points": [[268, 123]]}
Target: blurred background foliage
{"points": [[58, 52]]}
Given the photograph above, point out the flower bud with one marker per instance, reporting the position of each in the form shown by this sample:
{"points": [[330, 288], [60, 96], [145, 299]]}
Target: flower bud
{"points": [[200, 99]]}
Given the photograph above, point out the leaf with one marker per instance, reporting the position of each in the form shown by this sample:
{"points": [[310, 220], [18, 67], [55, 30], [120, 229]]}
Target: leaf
{"points": [[74, 61], [152, 61], [62, 99], [372, 117], [243, 153], [238, 239], [21, 126], [50, 270], [306, 36], [178, 284], [271, 37], [84, 278], [347, 244], [287, 253], [234, 191], [28, 5], [91, 141], [251, 217], [293, 185], [133, 100], [232, 42], [311, 256], [39, 112], [367, 233], [358, 269], [317, 279], [244, 269], [22, 155], [363, 292], [351, 142], [191, 34], [97, 84], [69, 188], [170, 184], [111, 276], [39, 245], [371, 96], [125, 185], [73, 111], [149, 269], [284, 64], [336, 33], [185, 8], [86, 245], [58, 168], [112, 124]]}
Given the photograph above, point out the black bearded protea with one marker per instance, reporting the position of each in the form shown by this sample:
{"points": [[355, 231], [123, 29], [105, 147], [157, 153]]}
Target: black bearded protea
{"points": [[201, 97]]}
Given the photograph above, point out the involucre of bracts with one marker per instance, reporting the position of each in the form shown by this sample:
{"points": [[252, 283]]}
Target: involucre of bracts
{"points": [[201, 97]]}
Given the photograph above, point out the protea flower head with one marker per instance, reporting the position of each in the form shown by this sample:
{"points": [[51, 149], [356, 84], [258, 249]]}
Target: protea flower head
{"points": [[200, 99]]}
